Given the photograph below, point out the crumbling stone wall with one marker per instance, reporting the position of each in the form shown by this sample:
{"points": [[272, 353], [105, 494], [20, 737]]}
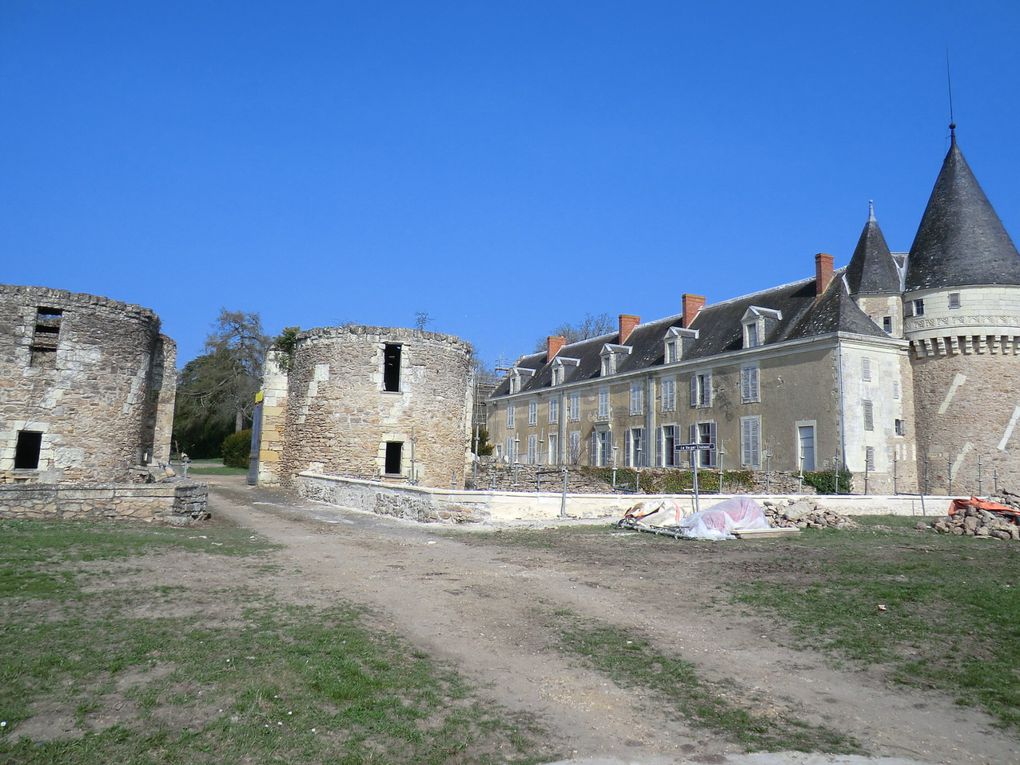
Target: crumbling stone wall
{"points": [[94, 376], [176, 503], [338, 418]]}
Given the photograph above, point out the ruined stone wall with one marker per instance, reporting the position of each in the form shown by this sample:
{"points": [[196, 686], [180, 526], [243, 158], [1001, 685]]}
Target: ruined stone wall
{"points": [[339, 418], [92, 375]]}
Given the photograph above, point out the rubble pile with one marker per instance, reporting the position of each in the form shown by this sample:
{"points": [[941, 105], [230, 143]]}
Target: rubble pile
{"points": [[969, 519], [804, 513]]}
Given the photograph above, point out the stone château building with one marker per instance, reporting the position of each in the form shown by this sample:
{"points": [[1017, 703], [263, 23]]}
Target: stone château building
{"points": [[368, 402], [902, 367], [87, 387]]}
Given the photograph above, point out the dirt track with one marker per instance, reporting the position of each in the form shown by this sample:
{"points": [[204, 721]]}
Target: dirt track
{"points": [[485, 609]]}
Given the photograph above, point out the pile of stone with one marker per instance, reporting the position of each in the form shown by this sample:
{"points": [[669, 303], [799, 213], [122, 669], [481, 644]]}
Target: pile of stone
{"points": [[973, 521], [803, 513]]}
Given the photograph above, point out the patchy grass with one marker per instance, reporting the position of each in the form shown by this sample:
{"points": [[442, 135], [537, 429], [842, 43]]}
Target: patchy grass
{"points": [[631, 660], [85, 679], [211, 467], [952, 606]]}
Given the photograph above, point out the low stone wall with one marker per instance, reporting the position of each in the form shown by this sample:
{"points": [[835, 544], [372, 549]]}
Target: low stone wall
{"points": [[426, 505], [176, 503]]}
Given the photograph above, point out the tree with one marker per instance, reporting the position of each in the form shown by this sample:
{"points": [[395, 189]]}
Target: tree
{"points": [[590, 326], [216, 391]]}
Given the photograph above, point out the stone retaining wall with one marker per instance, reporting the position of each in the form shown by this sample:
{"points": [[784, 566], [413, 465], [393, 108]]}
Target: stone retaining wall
{"points": [[427, 505], [176, 503]]}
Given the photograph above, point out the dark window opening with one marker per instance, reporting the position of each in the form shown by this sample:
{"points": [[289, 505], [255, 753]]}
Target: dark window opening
{"points": [[887, 324], [391, 368], [26, 453], [919, 307], [46, 336], [394, 450]]}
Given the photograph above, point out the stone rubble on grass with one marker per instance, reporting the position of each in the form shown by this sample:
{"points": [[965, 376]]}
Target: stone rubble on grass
{"points": [[804, 513], [975, 522]]}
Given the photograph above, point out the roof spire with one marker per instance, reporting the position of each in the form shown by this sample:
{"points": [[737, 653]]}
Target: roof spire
{"points": [[949, 84], [871, 211]]}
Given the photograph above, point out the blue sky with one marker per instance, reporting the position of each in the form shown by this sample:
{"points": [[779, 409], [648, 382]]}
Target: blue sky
{"points": [[504, 167]]}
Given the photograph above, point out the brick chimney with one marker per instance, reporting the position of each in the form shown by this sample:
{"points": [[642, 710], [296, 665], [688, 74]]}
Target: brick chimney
{"points": [[692, 304], [627, 324], [823, 272], [553, 345]]}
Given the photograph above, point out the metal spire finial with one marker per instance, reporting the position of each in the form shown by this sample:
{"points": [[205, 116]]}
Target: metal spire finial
{"points": [[871, 211]]}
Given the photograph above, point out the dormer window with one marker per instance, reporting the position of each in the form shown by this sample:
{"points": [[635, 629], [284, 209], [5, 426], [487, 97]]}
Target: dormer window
{"points": [[612, 356], [561, 368], [757, 322], [519, 377], [676, 342]]}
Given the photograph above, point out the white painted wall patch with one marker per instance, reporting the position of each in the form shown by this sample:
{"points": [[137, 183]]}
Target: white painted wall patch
{"points": [[959, 380], [1009, 429]]}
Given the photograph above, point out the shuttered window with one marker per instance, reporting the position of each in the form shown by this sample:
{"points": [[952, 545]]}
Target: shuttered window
{"points": [[750, 441]]}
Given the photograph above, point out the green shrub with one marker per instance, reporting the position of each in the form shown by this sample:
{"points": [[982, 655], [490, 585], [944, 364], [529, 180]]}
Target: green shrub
{"points": [[236, 449], [824, 481]]}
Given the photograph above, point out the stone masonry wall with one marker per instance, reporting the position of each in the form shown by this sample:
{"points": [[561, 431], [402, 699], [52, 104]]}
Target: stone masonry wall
{"points": [[176, 503], [339, 418], [101, 393]]}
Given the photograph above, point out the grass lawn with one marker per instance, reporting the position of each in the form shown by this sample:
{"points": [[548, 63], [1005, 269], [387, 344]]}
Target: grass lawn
{"points": [[952, 606], [141, 644]]}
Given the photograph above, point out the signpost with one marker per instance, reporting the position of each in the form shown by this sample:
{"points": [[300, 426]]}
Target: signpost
{"points": [[694, 461]]}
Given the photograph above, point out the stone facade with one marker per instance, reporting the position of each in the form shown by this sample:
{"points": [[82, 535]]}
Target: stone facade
{"points": [[368, 402], [87, 387]]}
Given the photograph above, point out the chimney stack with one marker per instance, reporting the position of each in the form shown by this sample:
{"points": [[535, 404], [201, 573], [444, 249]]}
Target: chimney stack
{"points": [[627, 324], [823, 272], [553, 345], [692, 304]]}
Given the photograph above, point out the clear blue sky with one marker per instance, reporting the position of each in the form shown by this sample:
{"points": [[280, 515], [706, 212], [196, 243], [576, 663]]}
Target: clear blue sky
{"points": [[503, 166]]}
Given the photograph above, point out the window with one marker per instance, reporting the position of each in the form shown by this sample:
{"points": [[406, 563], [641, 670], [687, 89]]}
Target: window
{"points": [[46, 337], [701, 390], [668, 394], [749, 390], [634, 448], [806, 447], [554, 449], [704, 433], [869, 458], [954, 299], [887, 324], [866, 369], [608, 364], [26, 452], [869, 415], [671, 355], [554, 410], [601, 448], [668, 445], [750, 442], [394, 453], [532, 449], [574, 407], [751, 332], [919, 307], [515, 382], [901, 429], [603, 403], [575, 447], [511, 415], [532, 412], [391, 368], [557, 375], [637, 398], [509, 450]]}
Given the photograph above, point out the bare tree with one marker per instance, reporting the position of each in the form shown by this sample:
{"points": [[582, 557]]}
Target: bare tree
{"points": [[590, 326]]}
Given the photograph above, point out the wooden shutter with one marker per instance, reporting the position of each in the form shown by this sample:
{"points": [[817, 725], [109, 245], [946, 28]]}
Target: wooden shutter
{"points": [[694, 390], [711, 439]]}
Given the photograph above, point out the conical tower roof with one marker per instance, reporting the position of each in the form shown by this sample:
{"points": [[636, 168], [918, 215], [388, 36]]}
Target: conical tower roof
{"points": [[872, 270], [961, 240]]}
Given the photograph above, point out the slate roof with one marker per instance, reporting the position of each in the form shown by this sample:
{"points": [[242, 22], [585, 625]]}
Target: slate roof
{"points": [[961, 240], [872, 270], [719, 331]]}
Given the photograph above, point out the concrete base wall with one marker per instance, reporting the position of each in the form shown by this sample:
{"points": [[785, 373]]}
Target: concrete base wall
{"points": [[426, 505], [178, 503]]}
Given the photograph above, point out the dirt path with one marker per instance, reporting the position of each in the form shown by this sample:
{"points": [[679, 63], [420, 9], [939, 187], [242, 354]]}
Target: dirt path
{"points": [[485, 609]]}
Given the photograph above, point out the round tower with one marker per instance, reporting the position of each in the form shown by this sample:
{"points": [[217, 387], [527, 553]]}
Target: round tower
{"points": [[961, 304]]}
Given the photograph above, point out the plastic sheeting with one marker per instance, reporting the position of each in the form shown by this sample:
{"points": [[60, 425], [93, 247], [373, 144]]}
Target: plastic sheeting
{"points": [[719, 521]]}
